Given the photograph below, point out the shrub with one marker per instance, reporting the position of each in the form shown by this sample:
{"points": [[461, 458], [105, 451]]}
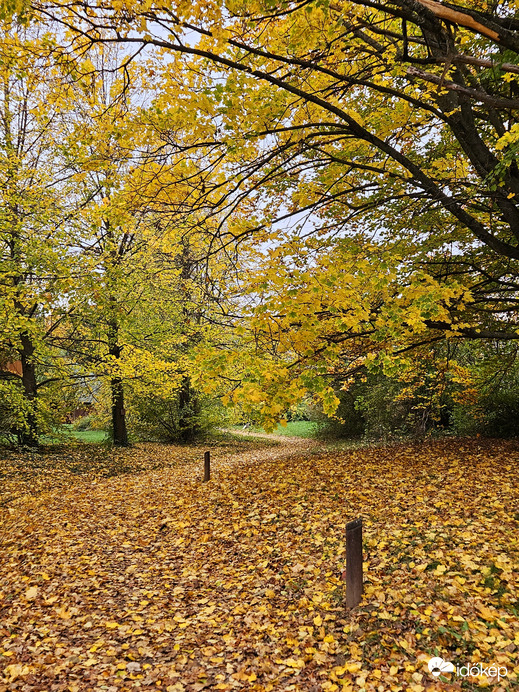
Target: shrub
{"points": [[19, 415], [180, 417], [348, 423], [496, 414], [377, 407], [87, 422]]}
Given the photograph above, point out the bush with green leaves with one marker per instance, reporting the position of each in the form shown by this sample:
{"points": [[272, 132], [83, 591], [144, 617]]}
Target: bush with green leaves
{"points": [[491, 408], [379, 407], [500, 413], [174, 417], [494, 414], [88, 422], [19, 415], [348, 423]]}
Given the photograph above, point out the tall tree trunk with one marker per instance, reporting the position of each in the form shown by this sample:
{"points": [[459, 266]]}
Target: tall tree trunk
{"points": [[188, 402], [119, 431], [189, 412], [120, 434], [29, 434]]}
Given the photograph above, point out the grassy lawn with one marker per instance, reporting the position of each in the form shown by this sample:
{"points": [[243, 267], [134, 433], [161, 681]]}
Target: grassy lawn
{"points": [[68, 431], [153, 578], [91, 436], [299, 428]]}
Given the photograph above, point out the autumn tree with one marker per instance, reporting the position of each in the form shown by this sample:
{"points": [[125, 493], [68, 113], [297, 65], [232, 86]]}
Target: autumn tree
{"points": [[98, 146], [36, 265], [142, 241]]}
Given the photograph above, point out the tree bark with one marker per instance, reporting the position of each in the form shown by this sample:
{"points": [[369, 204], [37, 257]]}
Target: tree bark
{"points": [[189, 412], [119, 430], [29, 434]]}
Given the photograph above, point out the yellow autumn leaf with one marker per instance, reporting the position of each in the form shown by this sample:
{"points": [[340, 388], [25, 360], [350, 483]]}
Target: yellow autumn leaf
{"points": [[14, 671], [485, 612], [294, 663]]}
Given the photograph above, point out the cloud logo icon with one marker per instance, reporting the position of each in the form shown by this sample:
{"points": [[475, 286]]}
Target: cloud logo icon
{"points": [[437, 666]]}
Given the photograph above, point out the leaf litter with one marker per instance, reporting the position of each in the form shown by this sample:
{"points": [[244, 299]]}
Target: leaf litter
{"points": [[153, 579]]}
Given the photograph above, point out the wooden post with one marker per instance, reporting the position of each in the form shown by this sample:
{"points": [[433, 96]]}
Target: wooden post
{"points": [[354, 586], [207, 467]]}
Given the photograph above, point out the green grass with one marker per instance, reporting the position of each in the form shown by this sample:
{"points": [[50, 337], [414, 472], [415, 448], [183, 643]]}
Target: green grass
{"points": [[296, 428], [89, 436], [92, 436]]}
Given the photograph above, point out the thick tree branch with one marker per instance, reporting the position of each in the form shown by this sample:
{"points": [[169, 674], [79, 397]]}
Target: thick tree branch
{"points": [[494, 101]]}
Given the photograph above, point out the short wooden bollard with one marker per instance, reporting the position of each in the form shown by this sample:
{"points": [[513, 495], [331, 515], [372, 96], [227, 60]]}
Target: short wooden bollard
{"points": [[354, 585], [207, 467]]}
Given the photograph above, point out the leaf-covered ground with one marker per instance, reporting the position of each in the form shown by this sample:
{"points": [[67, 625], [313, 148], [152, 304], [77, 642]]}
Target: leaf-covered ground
{"points": [[59, 467], [151, 579]]}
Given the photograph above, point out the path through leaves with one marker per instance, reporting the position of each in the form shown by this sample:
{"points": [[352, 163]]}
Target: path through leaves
{"points": [[154, 580]]}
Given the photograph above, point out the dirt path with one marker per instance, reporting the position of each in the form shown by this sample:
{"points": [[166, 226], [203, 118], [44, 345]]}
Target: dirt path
{"points": [[268, 436], [287, 447], [282, 439]]}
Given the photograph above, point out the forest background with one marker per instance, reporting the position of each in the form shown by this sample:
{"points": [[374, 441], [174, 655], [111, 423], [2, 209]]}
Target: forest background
{"points": [[259, 211]]}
